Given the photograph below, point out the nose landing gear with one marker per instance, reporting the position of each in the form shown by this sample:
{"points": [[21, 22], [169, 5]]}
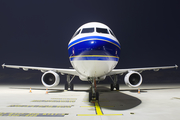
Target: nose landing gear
{"points": [[93, 94]]}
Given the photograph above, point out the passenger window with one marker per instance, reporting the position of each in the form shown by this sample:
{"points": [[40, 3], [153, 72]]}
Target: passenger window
{"points": [[112, 33], [87, 30], [77, 33], [102, 30]]}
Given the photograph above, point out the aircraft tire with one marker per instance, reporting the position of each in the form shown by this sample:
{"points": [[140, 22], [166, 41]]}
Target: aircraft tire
{"points": [[66, 86], [90, 96], [112, 87], [117, 86], [72, 87], [97, 95]]}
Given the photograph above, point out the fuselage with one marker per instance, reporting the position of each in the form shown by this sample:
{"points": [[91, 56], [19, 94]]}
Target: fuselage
{"points": [[94, 51]]}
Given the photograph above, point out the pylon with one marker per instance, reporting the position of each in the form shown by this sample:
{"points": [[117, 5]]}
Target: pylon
{"points": [[139, 91], [30, 90], [46, 91]]}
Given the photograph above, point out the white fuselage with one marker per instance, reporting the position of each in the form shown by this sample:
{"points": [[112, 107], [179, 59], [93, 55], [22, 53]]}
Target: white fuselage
{"points": [[94, 51]]}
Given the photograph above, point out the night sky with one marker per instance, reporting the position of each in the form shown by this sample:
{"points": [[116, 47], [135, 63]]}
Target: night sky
{"points": [[37, 32]]}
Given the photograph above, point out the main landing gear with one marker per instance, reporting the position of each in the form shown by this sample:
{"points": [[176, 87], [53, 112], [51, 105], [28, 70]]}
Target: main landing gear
{"points": [[68, 85], [93, 95], [115, 84]]}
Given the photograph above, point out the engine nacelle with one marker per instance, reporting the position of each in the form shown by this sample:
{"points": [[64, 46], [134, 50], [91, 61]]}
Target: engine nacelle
{"points": [[133, 79], [50, 79]]}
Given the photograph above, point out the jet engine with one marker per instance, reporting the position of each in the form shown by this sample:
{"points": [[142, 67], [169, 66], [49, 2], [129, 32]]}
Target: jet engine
{"points": [[133, 79], [50, 79]]}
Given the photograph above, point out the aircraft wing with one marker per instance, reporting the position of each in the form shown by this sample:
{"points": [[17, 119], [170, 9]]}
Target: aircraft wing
{"points": [[122, 71], [44, 69]]}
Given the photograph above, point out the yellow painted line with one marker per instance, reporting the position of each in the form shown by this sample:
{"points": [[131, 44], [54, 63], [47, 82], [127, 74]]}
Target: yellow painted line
{"points": [[98, 115], [94, 56], [98, 109]]}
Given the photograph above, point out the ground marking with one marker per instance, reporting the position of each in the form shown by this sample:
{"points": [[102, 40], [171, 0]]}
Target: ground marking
{"points": [[42, 106], [98, 111], [33, 114], [53, 101]]}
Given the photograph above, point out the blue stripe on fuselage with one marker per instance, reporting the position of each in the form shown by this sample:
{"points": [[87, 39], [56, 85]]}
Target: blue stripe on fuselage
{"points": [[93, 48], [91, 38]]}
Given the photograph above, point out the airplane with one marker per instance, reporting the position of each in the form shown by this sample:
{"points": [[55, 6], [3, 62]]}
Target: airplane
{"points": [[94, 52]]}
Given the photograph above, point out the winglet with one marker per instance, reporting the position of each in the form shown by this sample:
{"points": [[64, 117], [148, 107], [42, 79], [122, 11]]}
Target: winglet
{"points": [[3, 65], [176, 66]]}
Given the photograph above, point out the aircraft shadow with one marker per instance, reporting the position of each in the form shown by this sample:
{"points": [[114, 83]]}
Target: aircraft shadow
{"points": [[116, 100]]}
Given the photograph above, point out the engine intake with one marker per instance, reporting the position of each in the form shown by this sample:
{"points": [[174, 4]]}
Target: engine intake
{"points": [[133, 79], [50, 79]]}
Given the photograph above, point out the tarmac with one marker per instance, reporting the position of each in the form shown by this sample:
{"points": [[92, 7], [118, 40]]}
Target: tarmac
{"points": [[154, 102]]}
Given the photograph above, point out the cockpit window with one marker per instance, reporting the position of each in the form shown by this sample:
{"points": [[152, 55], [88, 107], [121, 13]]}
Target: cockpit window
{"points": [[112, 33], [76, 33], [87, 30], [102, 30]]}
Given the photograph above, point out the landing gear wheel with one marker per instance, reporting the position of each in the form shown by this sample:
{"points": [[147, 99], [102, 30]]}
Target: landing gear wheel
{"points": [[72, 87], [112, 87], [90, 96], [66, 86], [97, 95], [117, 86]]}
